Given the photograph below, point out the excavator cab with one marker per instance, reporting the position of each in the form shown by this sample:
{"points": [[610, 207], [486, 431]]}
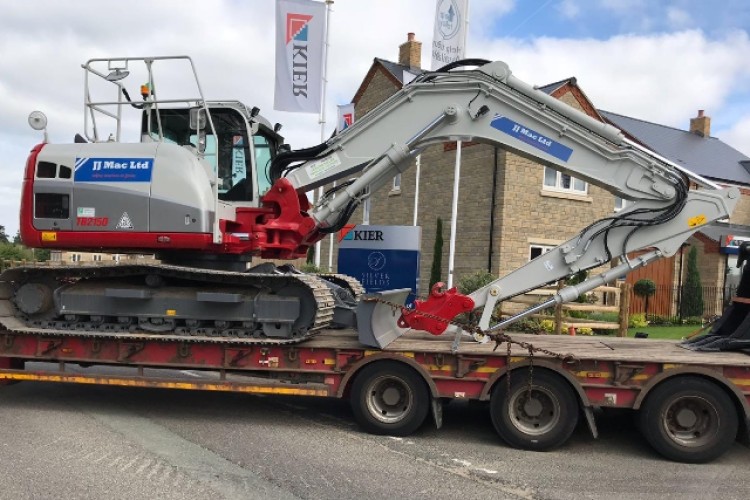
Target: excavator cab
{"points": [[168, 173], [240, 152]]}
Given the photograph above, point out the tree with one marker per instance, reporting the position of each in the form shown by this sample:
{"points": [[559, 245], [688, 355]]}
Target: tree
{"points": [[692, 293], [310, 255], [437, 255], [3, 236], [9, 251], [644, 288]]}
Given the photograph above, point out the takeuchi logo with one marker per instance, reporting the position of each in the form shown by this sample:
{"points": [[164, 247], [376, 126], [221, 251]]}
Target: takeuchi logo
{"points": [[448, 18], [296, 32]]}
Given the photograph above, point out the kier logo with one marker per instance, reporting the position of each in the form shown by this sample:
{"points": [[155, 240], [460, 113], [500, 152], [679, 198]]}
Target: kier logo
{"points": [[296, 27], [296, 32], [348, 120]]}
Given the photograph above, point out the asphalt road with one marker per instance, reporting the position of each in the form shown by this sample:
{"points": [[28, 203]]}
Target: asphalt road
{"points": [[68, 441]]}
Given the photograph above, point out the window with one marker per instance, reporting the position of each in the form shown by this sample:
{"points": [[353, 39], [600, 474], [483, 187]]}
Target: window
{"points": [[557, 181], [51, 206], [621, 203], [76, 257], [97, 258], [537, 250], [262, 162], [396, 183], [46, 170]]}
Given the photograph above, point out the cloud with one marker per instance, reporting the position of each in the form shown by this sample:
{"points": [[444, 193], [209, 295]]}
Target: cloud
{"points": [[569, 9], [662, 78], [738, 136], [678, 18]]}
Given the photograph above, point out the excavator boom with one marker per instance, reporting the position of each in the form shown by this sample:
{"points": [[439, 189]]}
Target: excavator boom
{"points": [[488, 104]]}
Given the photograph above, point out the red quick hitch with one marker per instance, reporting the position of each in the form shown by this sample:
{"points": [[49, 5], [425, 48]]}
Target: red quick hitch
{"points": [[434, 314]]}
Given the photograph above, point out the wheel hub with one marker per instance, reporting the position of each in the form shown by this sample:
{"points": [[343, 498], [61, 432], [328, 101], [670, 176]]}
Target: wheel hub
{"points": [[533, 407], [391, 396], [389, 399], [691, 421], [535, 412], [686, 418]]}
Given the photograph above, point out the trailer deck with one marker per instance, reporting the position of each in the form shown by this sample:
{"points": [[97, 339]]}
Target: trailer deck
{"points": [[599, 371]]}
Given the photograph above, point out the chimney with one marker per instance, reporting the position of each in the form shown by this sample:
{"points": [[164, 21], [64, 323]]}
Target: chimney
{"points": [[701, 125], [410, 52]]}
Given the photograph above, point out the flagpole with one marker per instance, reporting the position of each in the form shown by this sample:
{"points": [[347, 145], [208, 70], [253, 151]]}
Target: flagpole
{"points": [[323, 110], [456, 179]]}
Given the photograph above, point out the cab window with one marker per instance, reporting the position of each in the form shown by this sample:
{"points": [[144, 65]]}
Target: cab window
{"points": [[263, 162], [228, 152]]}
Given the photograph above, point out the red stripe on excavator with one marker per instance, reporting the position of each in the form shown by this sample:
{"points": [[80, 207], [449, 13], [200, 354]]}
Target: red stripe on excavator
{"points": [[30, 236]]}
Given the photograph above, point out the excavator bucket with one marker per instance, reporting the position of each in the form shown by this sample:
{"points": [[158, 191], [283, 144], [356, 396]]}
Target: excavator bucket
{"points": [[377, 321], [731, 332]]}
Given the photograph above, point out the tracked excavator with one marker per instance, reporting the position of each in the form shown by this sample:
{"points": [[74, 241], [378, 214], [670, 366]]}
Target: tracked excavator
{"points": [[210, 184]]}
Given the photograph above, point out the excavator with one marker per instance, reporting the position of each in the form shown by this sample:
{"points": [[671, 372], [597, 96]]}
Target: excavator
{"points": [[210, 184]]}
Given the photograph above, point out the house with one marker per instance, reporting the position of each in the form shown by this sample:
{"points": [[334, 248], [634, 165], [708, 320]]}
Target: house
{"points": [[512, 209]]}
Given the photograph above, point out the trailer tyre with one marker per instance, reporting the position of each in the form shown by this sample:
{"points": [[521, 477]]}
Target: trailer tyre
{"points": [[689, 419], [540, 420], [389, 398]]}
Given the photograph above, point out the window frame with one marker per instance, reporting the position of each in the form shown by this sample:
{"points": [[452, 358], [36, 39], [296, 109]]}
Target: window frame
{"points": [[558, 187], [544, 249]]}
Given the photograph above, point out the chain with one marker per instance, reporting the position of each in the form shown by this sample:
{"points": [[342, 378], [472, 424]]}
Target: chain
{"points": [[498, 338]]}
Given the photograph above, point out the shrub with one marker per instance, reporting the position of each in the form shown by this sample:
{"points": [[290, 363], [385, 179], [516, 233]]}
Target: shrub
{"points": [[584, 331], [693, 320], [547, 325], [310, 268], [637, 320], [526, 325], [644, 288], [692, 294], [475, 281]]}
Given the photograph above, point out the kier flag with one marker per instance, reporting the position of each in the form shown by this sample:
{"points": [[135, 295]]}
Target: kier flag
{"points": [[449, 40], [346, 117], [300, 31]]}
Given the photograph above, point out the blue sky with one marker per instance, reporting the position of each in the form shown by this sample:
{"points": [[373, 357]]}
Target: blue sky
{"points": [[659, 61], [602, 19]]}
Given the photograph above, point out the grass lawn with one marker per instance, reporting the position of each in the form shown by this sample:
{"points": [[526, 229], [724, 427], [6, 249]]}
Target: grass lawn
{"points": [[665, 332]]}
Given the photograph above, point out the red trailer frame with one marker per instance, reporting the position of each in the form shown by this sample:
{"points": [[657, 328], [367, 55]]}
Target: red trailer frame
{"points": [[598, 373]]}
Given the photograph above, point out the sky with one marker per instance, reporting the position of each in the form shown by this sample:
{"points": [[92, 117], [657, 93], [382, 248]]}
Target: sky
{"points": [[659, 61]]}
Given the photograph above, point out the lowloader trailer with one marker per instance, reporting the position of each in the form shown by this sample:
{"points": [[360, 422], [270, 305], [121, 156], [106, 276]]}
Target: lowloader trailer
{"points": [[691, 406]]}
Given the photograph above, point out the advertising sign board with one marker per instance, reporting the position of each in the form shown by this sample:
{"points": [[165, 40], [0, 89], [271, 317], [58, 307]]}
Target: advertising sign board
{"points": [[381, 257]]}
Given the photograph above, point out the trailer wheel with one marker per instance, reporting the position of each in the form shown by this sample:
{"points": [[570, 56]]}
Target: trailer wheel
{"points": [[689, 419], [539, 420], [389, 398]]}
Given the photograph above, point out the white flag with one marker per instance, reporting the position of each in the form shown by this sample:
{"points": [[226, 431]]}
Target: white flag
{"points": [[449, 40], [346, 117], [300, 31]]}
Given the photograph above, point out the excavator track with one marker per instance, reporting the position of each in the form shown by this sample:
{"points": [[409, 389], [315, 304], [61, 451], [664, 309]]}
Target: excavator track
{"points": [[26, 295], [347, 282]]}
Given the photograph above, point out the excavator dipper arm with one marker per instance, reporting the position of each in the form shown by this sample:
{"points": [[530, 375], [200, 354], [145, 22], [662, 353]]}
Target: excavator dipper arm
{"points": [[488, 104]]}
